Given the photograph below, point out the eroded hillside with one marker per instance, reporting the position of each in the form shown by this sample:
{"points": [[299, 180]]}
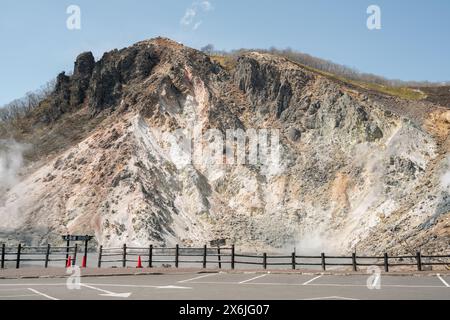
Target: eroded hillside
{"points": [[357, 170]]}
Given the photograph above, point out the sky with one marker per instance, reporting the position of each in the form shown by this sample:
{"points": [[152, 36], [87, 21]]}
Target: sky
{"points": [[412, 44]]}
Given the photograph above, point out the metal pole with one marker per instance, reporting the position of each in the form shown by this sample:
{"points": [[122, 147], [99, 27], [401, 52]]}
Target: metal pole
{"points": [[324, 267], [265, 260], [47, 255], [177, 249], [19, 249], [3, 256], [150, 256], [124, 258], [386, 262], [100, 251]]}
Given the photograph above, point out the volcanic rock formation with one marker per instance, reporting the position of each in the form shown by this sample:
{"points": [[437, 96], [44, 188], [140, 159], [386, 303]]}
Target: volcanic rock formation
{"points": [[357, 170]]}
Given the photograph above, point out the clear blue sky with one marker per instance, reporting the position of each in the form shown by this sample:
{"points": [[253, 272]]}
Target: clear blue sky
{"points": [[413, 44]]}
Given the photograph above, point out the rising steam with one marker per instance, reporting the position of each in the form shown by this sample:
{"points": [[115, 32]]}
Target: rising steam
{"points": [[11, 161]]}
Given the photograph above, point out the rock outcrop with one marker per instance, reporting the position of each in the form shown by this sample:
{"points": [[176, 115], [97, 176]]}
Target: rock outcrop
{"points": [[355, 171]]}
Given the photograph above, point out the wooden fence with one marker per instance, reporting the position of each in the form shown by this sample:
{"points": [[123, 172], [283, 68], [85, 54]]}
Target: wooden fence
{"points": [[152, 256], [46, 255], [218, 257], [227, 256]]}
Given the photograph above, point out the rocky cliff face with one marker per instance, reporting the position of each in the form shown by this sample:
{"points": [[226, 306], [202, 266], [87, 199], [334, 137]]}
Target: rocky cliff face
{"points": [[355, 171]]}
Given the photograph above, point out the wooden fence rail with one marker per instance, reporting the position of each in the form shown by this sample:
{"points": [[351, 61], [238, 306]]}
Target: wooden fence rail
{"points": [[127, 256], [21, 254], [227, 256]]}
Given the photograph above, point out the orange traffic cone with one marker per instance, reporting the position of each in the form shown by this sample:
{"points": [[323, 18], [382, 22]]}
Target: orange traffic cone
{"points": [[139, 263], [69, 262], [83, 264]]}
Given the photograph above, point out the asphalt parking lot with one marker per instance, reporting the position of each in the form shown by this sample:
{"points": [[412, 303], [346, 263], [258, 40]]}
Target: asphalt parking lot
{"points": [[231, 286]]}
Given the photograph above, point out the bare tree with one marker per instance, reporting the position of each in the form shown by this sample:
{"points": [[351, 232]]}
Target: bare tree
{"points": [[21, 107], [333, 68]]}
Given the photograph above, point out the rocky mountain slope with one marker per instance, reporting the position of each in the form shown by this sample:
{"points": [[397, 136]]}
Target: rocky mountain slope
{"points": [[357, 170]]}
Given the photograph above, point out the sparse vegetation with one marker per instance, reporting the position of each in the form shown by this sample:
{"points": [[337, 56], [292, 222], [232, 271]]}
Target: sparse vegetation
{"points": [[22, 107], [227, 62], [397, 91], [398, 88]]}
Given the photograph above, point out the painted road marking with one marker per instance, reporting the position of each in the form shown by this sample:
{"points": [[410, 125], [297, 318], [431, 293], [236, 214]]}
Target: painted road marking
{"points": [[331, 298], [88, 285], [318, 284], [196, 278], [31, 284], [137, 286], [172, 287], [443, 284], [18, 289], [19, 296], [42, 294], [443, 281], [107, 293], [385, 285], [309, 281], [258, 277]]}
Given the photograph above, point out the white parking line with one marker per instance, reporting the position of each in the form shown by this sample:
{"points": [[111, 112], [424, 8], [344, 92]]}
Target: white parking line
{"points": [[384, 285], [317, 284], [107, 293], [131, 286], [31, 284], [19, 296], [18, 289], [331, 298], [258, 277], [90, 284], [42, 294], [309, 281], [443, 281], [196, 278]]}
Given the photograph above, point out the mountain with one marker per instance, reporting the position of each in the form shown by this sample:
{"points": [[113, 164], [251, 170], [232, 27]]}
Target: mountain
{"points": [[107, 153]]}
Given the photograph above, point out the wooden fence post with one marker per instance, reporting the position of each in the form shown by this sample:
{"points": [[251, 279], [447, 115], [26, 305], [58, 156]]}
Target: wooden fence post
{"points": [[293, 261], [67, 248], [419, 261], [265, 260], [150, 256], [124, 256], [355, 268], [85, 256], [324, 266], [177, 255], [100, 252], [205, 253], [75, 251], [219, 258], [232, 256], [19, 249], [3, 256], [386, 262], [47, 255]]}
